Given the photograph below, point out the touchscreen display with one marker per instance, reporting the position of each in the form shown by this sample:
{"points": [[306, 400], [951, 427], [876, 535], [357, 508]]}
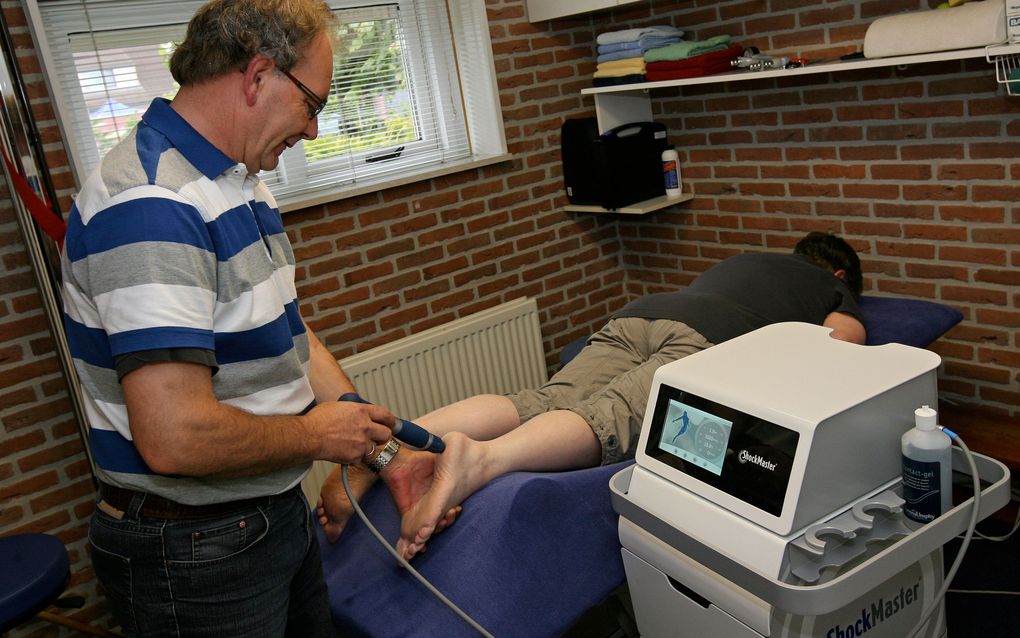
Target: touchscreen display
{"points": [[695, 436], [745, 456]]}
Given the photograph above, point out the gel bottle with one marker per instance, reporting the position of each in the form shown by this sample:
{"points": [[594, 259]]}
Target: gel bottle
{"points": [[671, 173], [927, 469]]}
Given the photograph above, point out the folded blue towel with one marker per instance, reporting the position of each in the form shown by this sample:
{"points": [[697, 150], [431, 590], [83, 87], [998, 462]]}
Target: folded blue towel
{"points": [[619, 46], [620, 55], [631, 35], [655, 41]]}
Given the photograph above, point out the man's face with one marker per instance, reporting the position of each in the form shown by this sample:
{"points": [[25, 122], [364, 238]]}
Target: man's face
{"points": [[287, 119]]}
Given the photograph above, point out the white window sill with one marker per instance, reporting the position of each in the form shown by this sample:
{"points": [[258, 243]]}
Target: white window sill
{"points": [[326, 194]]}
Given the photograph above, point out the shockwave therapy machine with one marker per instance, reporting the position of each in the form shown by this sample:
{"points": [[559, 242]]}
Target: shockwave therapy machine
{"points": [[766, 499]]}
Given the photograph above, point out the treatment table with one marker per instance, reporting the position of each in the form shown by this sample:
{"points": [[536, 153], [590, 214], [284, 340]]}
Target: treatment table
{"points": [[531, 552]]}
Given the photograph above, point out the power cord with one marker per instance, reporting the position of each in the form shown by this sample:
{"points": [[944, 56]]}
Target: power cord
{"points": [[400, 559], [971, 525], [1004, 537]]}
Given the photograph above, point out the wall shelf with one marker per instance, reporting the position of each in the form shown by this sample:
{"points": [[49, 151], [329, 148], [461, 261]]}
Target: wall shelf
{"points": [[639, 208], [542, 10], [615, 105]]}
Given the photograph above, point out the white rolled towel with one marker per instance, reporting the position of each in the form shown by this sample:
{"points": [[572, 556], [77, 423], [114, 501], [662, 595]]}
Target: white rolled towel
{"points": [[968, 26]]}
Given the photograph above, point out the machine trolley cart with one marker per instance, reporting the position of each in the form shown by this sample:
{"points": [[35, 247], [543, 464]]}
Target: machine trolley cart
{"points": [[899, 552]]}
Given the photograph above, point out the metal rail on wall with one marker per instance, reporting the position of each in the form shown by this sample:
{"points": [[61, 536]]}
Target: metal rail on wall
{"points": [[21, 142]]}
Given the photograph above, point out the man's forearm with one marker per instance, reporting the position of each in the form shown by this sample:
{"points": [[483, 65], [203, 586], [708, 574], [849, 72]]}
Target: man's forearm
{"points": [[225, 441], [200, 436]]}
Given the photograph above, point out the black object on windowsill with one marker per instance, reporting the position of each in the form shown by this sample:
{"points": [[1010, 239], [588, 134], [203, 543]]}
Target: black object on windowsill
{"points": [[394, 154]]}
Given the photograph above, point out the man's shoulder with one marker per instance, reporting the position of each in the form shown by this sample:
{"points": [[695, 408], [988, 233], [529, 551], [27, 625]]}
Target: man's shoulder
{"points": [[128, 175], [139, 160]]}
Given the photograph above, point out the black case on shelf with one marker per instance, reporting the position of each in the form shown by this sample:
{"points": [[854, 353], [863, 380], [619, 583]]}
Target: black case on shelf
{"points": [[619, 167]]}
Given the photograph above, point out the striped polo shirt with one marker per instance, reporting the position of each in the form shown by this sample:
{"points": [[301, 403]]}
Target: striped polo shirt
{"points": [[171, 244]]}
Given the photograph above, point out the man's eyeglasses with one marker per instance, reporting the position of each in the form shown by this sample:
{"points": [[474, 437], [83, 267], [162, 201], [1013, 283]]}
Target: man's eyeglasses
{"points": [[317, 103]]}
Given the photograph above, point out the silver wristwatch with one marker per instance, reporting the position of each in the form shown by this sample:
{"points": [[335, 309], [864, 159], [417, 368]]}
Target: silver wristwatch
{"points": [[383, 458]]}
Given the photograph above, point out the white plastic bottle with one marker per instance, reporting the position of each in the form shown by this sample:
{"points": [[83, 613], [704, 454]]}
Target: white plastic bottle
{"points": [[927, 469], [671, 173]]}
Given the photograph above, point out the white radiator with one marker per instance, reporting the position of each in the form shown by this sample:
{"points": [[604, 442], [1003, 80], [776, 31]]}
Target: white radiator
{"points": [[495, 351]]}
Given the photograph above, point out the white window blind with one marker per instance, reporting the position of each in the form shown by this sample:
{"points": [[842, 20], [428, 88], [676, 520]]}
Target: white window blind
{"points": [[413, 89]]}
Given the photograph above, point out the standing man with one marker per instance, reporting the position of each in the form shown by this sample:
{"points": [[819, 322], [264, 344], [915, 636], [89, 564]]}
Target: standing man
{"points": [[207, 395]]}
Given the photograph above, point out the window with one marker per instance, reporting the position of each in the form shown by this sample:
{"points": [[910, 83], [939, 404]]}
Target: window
{"points": [[123, 77], [413, 92]]}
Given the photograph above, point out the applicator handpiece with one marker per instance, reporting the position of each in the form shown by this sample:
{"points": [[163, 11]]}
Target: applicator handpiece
{"points": [[406, 431]]}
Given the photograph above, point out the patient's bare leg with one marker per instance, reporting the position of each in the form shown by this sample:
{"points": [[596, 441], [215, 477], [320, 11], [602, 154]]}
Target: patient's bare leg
{"points": [[481, 417], [557, 440]]}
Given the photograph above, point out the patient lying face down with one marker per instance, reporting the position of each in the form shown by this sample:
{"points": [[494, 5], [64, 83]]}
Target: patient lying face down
{"points": [[591, 411]]}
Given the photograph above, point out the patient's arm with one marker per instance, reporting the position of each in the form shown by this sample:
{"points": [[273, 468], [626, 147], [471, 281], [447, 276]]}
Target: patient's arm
{"points": [[845, 327]]}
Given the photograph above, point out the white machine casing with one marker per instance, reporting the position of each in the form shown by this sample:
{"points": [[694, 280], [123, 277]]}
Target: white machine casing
{"points": [[849, 405], [765, 497]]}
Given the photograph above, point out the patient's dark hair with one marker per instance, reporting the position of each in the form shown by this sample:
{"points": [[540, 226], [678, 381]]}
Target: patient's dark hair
{"points": [[833, 253]]}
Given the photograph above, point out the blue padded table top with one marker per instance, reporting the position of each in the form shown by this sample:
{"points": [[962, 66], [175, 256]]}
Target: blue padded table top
{"points": [[35, 569], [528, 556]]}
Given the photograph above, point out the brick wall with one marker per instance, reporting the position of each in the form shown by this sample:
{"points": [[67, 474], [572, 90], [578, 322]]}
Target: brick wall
{"points": [[913, 166]]}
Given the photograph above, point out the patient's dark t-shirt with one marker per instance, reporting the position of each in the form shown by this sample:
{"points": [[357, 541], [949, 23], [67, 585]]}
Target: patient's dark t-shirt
{"points": [[748, 291]]}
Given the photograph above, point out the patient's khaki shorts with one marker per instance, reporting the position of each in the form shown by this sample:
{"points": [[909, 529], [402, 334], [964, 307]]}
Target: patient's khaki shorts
{"points": [[608, 382]]}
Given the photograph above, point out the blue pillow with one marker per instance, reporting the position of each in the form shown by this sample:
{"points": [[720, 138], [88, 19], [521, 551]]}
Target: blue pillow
{"points": [[914, 322]]}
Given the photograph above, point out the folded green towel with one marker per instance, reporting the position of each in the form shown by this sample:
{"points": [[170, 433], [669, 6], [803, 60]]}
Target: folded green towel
{"points": [[687, 49]]}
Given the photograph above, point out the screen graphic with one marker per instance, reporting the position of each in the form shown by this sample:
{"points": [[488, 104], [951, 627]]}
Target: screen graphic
{"points": [[695, 436]]}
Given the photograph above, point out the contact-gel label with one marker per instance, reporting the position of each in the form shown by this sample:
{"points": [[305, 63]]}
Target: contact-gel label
{"points": [[921, 490]]}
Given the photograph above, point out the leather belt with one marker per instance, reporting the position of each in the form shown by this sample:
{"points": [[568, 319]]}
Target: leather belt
{"points": [[154, 506]]}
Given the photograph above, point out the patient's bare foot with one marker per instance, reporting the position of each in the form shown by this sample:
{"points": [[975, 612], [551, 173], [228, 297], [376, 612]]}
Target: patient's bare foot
{"points": [[334, 508], [458, 473], [408, 477]]}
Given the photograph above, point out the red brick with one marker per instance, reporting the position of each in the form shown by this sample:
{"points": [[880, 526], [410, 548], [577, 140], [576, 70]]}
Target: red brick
{"points": [[997, 276], [37, 414], [868, 153], [943, 192], [974, 295], [871, 191], [838, 171], [927, 152], [984, 214], [908, 211], [973, 255], [901, 172], [930, 110], [981, 193], [998, 317], [66, 493]]}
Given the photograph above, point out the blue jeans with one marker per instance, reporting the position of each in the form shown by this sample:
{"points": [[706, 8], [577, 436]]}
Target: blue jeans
{"points": [[255, 572]]}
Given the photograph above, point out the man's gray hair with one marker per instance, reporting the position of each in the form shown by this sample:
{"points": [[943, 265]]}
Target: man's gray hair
{"points": [[224, 36]]}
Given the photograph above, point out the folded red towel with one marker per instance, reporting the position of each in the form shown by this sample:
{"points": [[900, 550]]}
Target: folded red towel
{"points": [[696, 66]]}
